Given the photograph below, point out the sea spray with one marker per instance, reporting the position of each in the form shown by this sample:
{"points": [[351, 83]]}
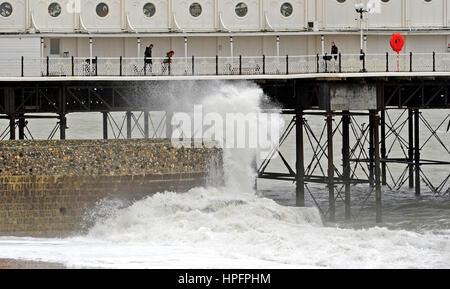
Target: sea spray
{"points": [[232, 222], [229, 226]]}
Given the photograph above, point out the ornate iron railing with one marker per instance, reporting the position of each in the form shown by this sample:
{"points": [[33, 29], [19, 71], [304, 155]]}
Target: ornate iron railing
{"points": [[238, 65]]}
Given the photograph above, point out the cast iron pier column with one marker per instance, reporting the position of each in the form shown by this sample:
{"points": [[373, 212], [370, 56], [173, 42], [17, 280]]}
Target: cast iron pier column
{"points": [[299, 166], [146, 125], [22, 124], [105, 125], [417, 150], [377, 168], [128, 124], [12, 127], [332, 208], [346, 161], [383, 149], [371, 147], [411, 148]]}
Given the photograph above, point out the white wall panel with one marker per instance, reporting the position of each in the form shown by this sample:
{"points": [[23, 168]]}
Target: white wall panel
{"points": [[248, 46], [107, 47], [204, 22], [425, 44], [250, 22], [390, 15], [202, 46], [14, 49], [295, 21], [64, 22], [428, 14], [110, 23], [340, 15], [294, 45], [160, 21], [347, 44], [16, 21]]}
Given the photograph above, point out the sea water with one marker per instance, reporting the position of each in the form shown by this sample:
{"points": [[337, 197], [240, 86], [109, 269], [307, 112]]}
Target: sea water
{"points": [[232, 226]]}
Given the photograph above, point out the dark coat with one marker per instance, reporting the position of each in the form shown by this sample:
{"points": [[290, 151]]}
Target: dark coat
{"points": [[148, 55], [334, 51]]}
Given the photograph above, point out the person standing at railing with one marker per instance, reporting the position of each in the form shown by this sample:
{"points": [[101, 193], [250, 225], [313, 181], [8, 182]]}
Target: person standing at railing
{"points": [[148, 58], [334, 54], [168, 61]]}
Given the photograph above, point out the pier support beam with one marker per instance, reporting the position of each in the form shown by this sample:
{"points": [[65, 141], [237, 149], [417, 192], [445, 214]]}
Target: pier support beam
{"points": [[299, 166], [62, 126], [331, 202], [12, 127], [105, 125], [371, 147], [377, 169], [383, 149], [411, 148], [129, 125], [146, 125], [417, 149], [22, 125], [169, 129], [346, 161]]}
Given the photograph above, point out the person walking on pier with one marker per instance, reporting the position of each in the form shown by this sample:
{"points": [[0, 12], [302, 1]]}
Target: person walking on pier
{"points": [[148, 58], [334, 54], [168, 61]]}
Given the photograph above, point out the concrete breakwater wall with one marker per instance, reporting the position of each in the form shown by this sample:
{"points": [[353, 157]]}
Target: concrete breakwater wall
{"points": [[48, 187]]}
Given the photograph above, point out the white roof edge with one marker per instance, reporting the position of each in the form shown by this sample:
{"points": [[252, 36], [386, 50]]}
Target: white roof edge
{"points": [[227, 34]]}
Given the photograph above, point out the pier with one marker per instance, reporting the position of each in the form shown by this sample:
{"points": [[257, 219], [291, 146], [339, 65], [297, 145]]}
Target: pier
{"points": [[356, 88]]}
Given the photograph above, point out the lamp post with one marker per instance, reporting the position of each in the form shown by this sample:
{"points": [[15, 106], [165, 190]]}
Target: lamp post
{"points": [[359, 7]]}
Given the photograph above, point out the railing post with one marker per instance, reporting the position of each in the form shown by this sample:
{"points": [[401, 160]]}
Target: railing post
{"points": [[326, 63], [169, 65], [264, 64], [240, 64], [73, 65], [340, 62], [217, 64], [22, 66], [364, 61], [48, 65], [387, 61], [96, 66], [318, 66], [121, 60], [434, 61], [145, 65], [193, 65], [410, 62], [287, 64]]}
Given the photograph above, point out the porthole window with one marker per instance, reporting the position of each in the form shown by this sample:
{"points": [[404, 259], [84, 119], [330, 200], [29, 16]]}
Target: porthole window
{"points": [[5, 9], [385, 1], [54, 9], [286, 9], [195, 9], [341, 1], [102, 10], [149, 9], [241, 9]]}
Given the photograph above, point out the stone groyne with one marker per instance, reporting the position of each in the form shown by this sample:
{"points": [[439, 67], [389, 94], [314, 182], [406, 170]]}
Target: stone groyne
{"points": [[48, 187]]}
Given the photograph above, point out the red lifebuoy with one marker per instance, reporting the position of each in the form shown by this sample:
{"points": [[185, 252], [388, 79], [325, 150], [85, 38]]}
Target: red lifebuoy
{"points": [[397, 42]]}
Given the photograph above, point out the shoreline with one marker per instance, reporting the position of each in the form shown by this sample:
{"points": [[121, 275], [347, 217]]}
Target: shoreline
{"points": [[12, 264]]}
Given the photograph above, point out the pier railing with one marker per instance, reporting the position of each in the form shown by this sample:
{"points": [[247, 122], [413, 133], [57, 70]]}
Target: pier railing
{"points": [[238, 65]]}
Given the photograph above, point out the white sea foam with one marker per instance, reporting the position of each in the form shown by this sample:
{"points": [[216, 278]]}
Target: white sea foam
{"points": [[229, 227]]}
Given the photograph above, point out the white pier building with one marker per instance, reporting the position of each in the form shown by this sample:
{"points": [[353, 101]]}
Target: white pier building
{"points": [[109, 29]]}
